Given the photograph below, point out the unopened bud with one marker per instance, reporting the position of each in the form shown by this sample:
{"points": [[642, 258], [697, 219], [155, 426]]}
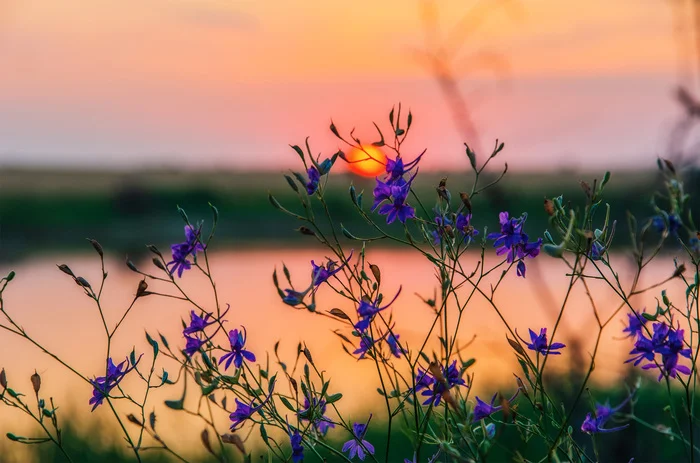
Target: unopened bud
{"points": [[65, 269], [132, 418], [679, 271], [549, 207], [36, 382], [586, 189], [521, 386], [306, 231], [293, 382], [154, 249], [97, 246], [235, 440], [159, 263], [131, 266], [80, 281], [465, 200], [205, 441], [3, 379]]}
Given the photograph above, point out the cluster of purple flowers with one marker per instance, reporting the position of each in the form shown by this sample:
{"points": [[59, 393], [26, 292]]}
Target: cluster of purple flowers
{"points": [[666, 341], [391, 193], [513, 241], [244, 411], [102, 385], [434, 386], [447, 228], [182, 251], [194, 334], [366, 311]]}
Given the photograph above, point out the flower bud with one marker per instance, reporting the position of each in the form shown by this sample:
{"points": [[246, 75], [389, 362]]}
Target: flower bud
{"points": [[36, 382], [97, 246], [132, 418], [549, 207], [306, 231], [465, 200], [205, 441], [65, 269], [3, 379], [80, 281]]}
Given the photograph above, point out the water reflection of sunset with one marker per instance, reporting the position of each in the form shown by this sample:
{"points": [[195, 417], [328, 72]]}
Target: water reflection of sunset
{"points": [[61, 317]]}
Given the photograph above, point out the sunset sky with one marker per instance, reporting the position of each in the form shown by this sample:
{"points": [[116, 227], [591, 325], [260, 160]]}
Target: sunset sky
{"points": [[230, 83]]}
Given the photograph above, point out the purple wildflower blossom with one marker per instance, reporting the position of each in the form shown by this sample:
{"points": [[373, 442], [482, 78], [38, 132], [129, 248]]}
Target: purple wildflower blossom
{"points": [[245, 411], [296, 442], [321, 273], [539, 343], [368, 309], [483, 410], [102, 385], [513, 242], [593, 424], [238, 353], [314, 179], [181, 251], [357, 445], [397, 207], [433, 388], [668, 342], [392, 341], [635, 324]]}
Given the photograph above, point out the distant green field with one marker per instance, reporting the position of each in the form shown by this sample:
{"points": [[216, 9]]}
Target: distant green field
{"points": [[50, 210]]}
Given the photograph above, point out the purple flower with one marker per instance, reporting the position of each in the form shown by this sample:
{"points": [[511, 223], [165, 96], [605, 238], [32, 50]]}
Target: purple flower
{"points": [[397, 207], [597, 250], [396, 169], [245, 411], [198, 323], [314, 411], [293, 297], [296, 441], [238, 353], [321, 273], [102, 385], [366, 343], [513, 242], [668, 342], [674, 223], [463, 224], [483, 410], [357, 445], [368, 309], [314, 179], [593, 424], [539, 343], [394, 346], [434, 388], [181, 251], [635, 324]]}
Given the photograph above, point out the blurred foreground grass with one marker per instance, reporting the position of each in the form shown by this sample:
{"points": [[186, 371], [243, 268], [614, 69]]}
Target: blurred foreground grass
{"points": [[48, 210]]}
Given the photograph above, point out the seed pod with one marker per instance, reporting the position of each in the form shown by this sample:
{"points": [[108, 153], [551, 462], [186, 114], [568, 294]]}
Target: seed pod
{"points": [[141, 290], [36, 382], [465, 200], [549, 207]]}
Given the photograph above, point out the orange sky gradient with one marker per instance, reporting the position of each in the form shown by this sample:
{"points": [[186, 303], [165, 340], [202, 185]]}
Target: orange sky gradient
{"points": [[202, 83]]}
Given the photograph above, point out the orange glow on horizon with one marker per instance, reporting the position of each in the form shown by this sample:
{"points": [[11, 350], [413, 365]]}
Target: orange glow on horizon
{"points": [[368, 163]]}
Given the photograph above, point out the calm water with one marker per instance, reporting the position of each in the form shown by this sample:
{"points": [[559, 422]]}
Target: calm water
{"points": [[53, 309]]}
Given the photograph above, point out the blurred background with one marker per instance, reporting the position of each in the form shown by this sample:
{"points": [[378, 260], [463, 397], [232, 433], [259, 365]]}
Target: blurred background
{"points": [[111, 114]]}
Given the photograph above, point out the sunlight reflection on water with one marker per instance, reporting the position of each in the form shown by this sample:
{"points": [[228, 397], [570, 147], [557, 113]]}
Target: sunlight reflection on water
{"points": [[54, 311]]}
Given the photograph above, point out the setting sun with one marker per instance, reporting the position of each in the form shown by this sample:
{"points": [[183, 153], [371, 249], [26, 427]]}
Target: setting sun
{"points": [[368, 163]]}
